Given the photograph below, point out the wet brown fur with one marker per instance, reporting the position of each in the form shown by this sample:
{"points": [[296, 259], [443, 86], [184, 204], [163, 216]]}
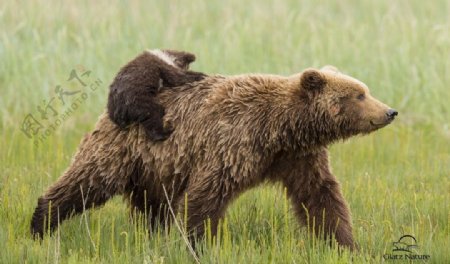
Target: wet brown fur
{"points": [[232, 134]]}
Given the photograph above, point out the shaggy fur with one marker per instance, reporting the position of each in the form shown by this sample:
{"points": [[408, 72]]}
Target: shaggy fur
{"points": [[233, 133], [132, 94]]}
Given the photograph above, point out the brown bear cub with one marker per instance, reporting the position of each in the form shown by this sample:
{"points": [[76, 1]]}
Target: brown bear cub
{"points": [[132, 94]]}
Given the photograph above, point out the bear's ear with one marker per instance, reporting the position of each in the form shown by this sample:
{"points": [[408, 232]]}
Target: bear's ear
{"points": [[186, 58], [312, 80], [181, 58], [330, 68]]}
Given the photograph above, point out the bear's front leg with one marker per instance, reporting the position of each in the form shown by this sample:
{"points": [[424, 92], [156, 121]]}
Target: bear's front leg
{"points": [[318, 200]]}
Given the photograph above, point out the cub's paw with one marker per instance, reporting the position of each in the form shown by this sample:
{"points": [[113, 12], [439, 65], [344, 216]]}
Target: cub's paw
{"points": [[159, 135], [168, 126], [195, 76]]}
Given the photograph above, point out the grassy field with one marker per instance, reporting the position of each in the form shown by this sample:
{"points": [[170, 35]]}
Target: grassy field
{"points": [[397, 180]]}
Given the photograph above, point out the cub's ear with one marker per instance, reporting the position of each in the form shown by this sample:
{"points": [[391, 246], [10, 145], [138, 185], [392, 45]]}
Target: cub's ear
{"points": [[181, 58], [312, 80], [186, 57], [330, 68]]}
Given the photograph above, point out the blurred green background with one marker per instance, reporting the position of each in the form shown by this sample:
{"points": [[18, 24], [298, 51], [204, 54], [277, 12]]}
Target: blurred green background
{"points": [[395, 180]]}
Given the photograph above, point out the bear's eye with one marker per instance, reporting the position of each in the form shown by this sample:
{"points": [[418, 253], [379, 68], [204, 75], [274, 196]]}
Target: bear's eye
{"points": [[361, 97]]}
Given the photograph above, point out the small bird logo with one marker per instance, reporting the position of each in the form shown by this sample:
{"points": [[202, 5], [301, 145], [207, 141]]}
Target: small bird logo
{"points": [[406, 243]]}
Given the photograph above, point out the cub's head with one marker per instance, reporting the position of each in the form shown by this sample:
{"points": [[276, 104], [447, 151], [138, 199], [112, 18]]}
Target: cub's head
{"points": [[179, 59], [344, 102]]}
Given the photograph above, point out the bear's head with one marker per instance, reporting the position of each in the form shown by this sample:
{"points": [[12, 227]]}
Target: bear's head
{"points": [[342, 104], [181, 59]]}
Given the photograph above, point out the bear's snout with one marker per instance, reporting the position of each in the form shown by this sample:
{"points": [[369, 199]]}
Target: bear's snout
{"points": [[391, 113], [382, 120]]}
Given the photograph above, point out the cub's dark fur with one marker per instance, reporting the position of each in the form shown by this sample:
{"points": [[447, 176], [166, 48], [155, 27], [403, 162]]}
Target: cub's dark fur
{"points": [[132, 94]]}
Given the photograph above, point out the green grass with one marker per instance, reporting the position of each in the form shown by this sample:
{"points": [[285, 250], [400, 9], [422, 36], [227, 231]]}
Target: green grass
{"points": [[395, 180]]}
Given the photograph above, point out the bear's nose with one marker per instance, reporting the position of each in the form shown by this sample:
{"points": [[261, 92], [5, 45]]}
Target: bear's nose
{"points": [[391, 113]]}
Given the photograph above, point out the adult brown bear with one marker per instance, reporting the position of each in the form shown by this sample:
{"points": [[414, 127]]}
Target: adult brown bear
{"points": [[232, 133]]}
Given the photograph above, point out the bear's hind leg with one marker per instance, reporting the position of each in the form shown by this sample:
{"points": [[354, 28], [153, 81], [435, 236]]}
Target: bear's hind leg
{"points": [[74, 192], [149, 113], [206, 200], [153, 122], [144, 201]]}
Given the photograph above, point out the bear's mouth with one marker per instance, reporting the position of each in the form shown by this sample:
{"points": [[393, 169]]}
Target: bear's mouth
{"points": [[380, 125]]}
